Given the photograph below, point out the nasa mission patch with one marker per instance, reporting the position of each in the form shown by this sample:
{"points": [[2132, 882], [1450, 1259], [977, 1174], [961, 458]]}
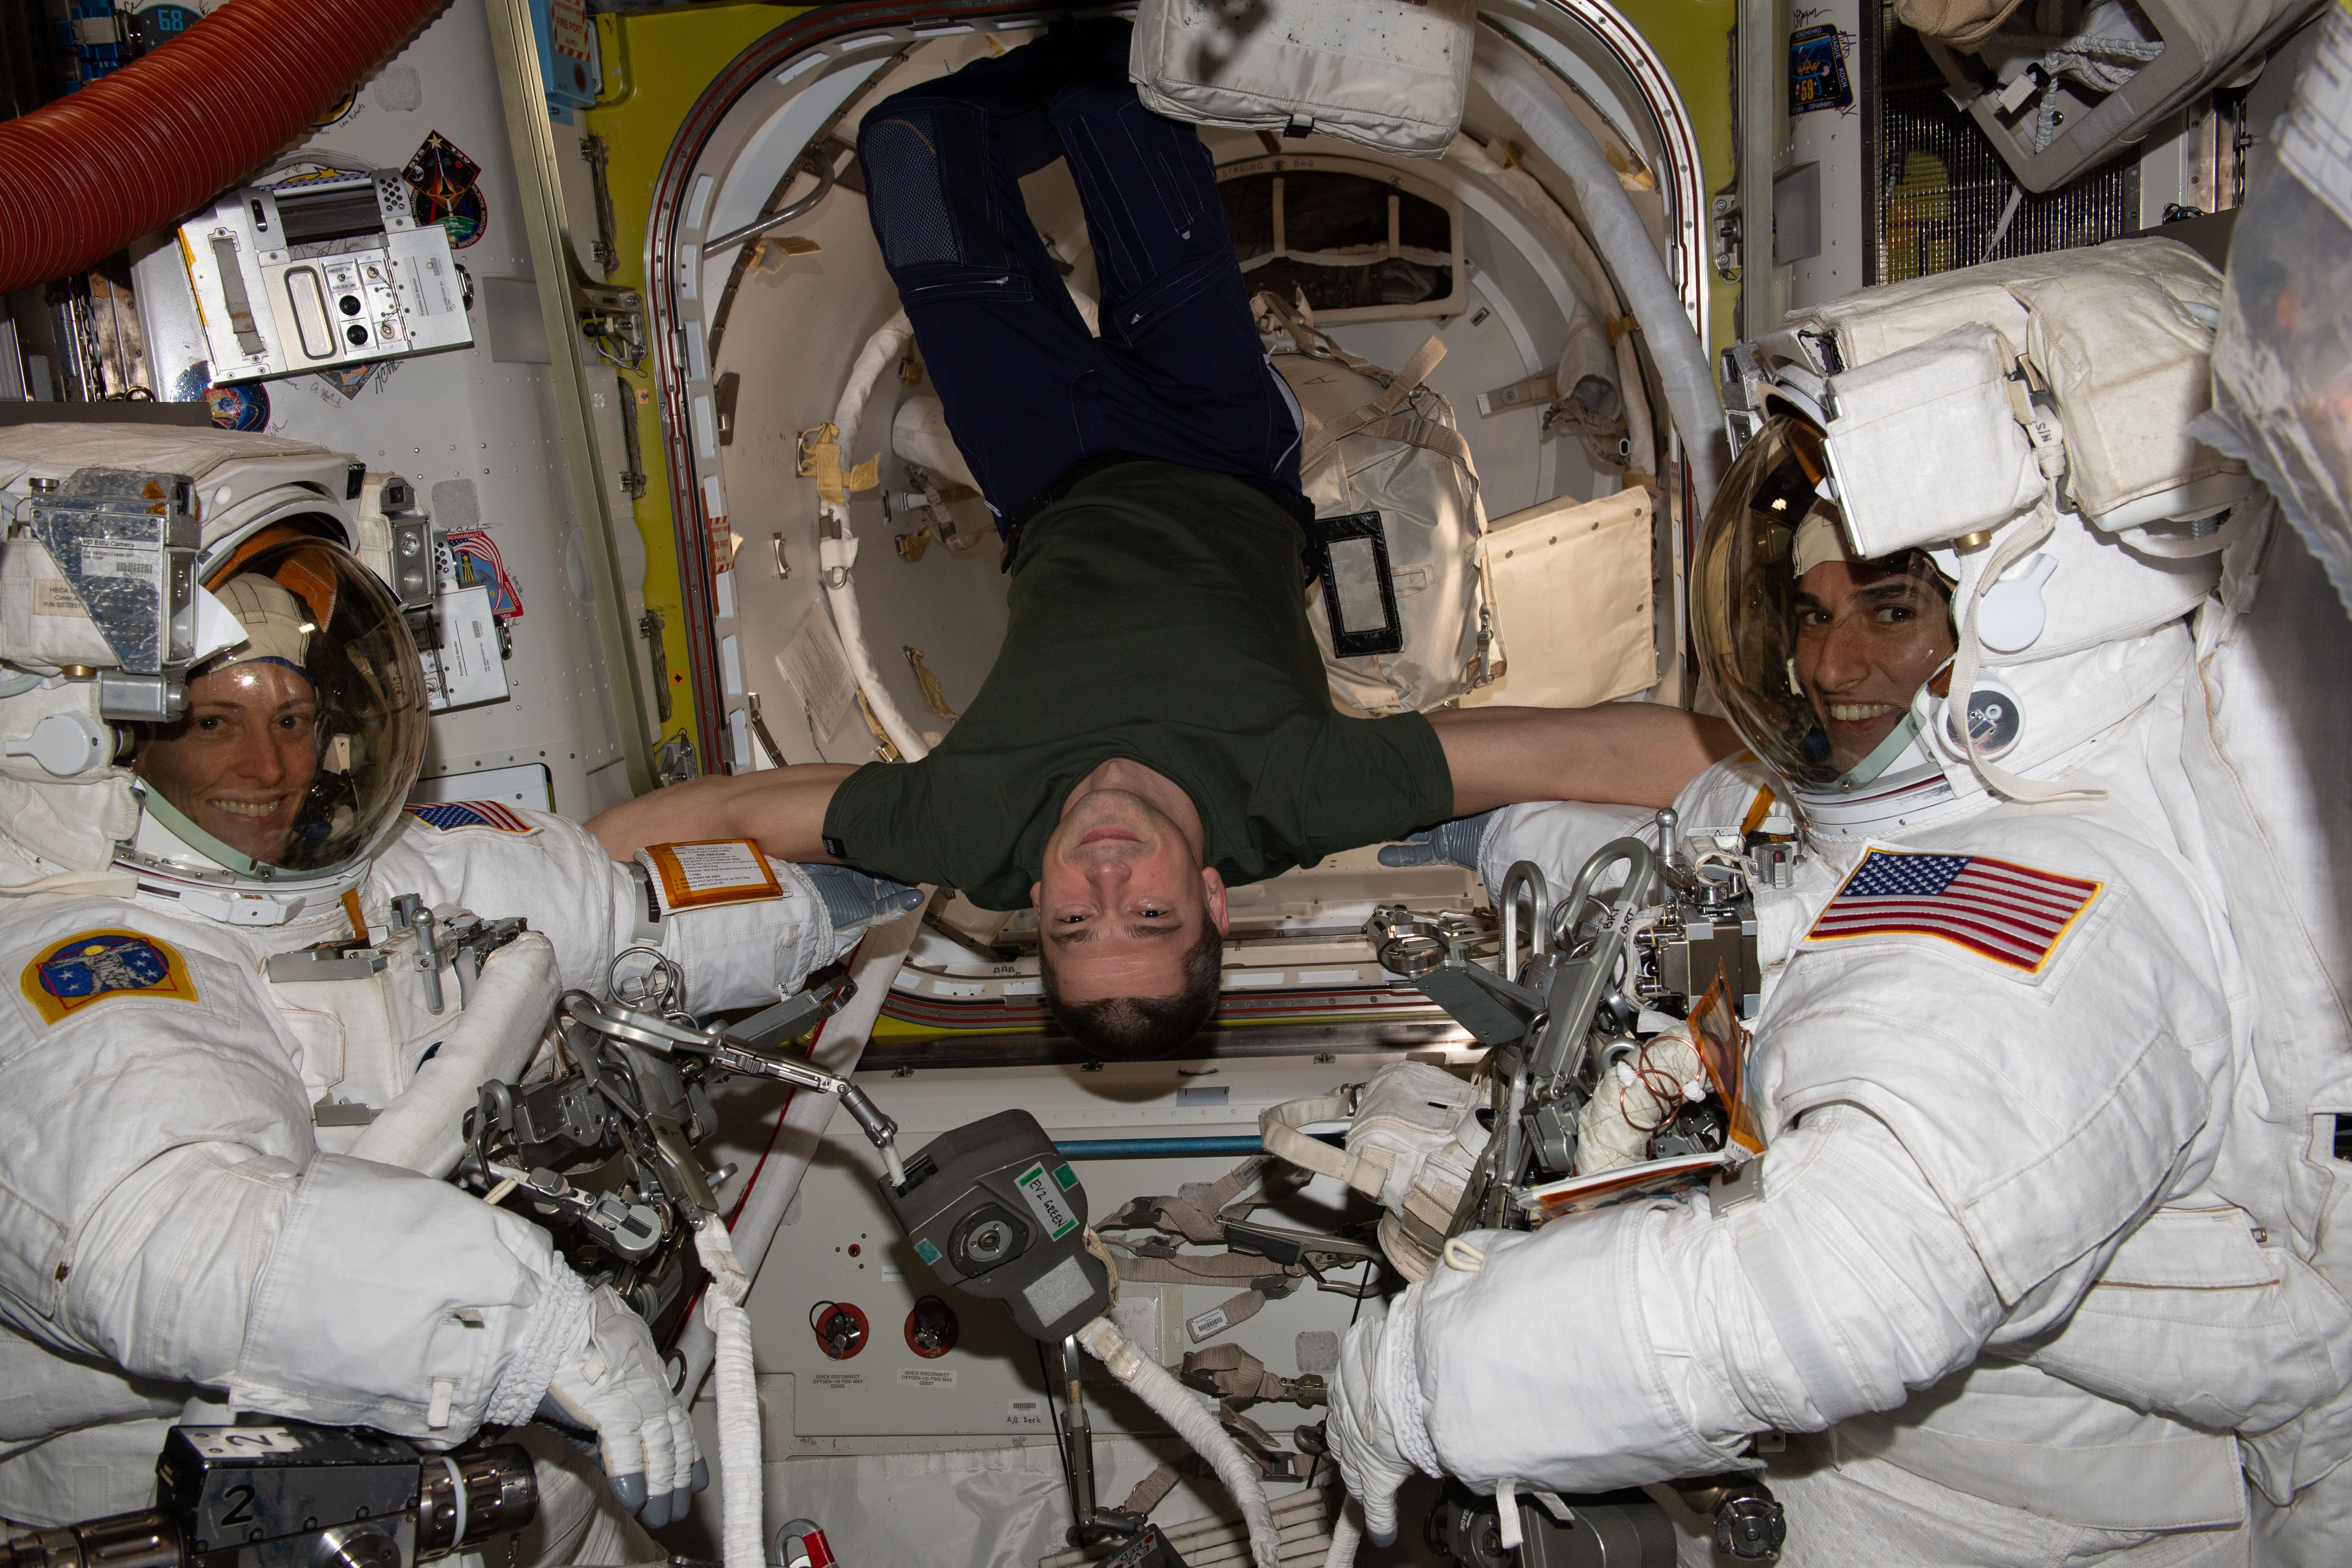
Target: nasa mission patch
{"points": [[83, 970]]}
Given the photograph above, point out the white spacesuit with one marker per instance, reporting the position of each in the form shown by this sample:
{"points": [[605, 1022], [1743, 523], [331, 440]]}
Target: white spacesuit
{"points": [[219, 1178], [2042, 1250]]}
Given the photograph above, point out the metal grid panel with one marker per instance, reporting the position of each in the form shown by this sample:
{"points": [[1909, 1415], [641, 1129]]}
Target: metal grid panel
{"points": [[1941, 191]]}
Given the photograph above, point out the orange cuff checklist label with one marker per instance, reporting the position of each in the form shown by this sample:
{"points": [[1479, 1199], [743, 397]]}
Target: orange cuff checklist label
{"points": [[716, 872]]}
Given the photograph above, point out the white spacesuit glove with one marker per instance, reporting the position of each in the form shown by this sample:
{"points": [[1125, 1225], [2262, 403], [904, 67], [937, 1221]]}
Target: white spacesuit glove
{"points": [[1452, 843], [611, 1382], [855, 902], [1375, 1429]]}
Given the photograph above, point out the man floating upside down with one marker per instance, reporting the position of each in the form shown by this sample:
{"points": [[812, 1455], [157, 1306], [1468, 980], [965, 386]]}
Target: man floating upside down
{"points": [[1157, 726]]}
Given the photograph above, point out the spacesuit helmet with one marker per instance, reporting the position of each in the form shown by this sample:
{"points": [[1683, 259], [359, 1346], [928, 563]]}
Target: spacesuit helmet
{"points": [[1817, 654], [1981, 481], [298, 744]]}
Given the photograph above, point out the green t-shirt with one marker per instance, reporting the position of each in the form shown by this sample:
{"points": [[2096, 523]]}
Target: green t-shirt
{"points": [[1155, 615]]}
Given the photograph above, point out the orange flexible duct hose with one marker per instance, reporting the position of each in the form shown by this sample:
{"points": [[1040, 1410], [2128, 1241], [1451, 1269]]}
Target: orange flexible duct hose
{"points": [[136, 151]]}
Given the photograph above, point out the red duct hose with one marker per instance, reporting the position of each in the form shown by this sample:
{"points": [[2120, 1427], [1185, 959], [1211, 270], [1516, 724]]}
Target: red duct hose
{"points": [[136, 151]]}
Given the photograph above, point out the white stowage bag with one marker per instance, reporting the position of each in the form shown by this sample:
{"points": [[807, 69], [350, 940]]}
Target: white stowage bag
{"points": [[1382, 441], [1414, 1139], [1383, 73]]}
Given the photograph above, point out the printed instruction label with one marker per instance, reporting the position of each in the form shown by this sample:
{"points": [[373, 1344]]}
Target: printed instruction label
{"points": [[928, 1376], [719, 871], [1026, 1415], [837, 1379], [818, 667], [1046, 1201], [468, 667], [103, 558]]}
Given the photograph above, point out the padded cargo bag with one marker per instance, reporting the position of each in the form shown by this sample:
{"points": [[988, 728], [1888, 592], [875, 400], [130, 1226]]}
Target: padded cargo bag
{"points": [[1382, 441], [1390, 74]]}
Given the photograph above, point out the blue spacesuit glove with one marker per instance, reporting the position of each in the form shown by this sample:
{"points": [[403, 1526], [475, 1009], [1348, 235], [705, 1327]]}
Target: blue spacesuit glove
{"points": [[854, 900], [1453, 843]]}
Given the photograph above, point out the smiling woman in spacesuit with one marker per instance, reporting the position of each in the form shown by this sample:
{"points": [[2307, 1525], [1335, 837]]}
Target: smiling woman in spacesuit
{"points": [[241, 763]]}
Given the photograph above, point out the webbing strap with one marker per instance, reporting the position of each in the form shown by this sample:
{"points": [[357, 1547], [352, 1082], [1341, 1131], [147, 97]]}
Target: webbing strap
{"points": [[1408, 380], [1279, 1128], [1198, 1220], [1210, 1269], [1428, 434]]}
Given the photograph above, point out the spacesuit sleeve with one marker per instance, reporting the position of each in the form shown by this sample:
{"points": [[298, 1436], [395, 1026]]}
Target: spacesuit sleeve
{"points": [[1558, 836], [1845, 1288], [590, 907], [162, 1207]]}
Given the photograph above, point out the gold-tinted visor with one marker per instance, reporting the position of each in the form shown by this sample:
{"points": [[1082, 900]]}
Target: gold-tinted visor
{"points": [[1815, 654], [300, 743]]}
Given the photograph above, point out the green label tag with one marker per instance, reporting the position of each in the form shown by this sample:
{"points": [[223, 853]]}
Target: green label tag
{"points": [[926, 1251], [1068, 1177], [1046, 1201]]}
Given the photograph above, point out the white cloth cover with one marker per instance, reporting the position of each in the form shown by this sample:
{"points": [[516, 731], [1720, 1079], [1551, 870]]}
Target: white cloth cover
{"points": [[1411, 1145], [1390, 77], [1404, 460], [1947, 396], [2054, 1244], [172, 1222], [2120, 332]]}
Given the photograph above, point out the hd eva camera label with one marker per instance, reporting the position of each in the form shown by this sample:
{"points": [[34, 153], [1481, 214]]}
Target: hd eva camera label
{"points": [[1045, 1200]]}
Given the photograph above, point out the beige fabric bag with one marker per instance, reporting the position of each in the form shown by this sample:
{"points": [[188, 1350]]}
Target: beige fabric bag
{"points": [[1376, 441], [1390, 74]]}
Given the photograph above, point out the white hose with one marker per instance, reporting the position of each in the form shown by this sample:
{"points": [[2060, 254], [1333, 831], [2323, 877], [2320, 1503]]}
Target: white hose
{"points": [[837, 546], [1346, 1534], [1641, 438], [423, 1129], [740, 1502], [1520, 90], [838, 1047], [1170, 1401]]}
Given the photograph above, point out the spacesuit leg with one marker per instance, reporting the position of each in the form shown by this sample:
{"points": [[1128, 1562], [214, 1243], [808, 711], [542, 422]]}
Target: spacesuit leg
{"points": [[1855, 1511]]}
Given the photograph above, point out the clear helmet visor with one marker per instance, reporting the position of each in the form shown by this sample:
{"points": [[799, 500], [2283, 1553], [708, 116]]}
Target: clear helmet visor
{"points": [[1817, 656], [300, 745]]}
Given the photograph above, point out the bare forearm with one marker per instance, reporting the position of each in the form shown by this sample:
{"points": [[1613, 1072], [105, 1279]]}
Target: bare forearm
{"points": [[781, 809], [1619, 753]]}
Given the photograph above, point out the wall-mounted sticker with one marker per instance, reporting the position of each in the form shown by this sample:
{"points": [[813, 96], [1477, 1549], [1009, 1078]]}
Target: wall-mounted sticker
{"points": [[444, 179], [1817, 73], [338, 111], [475, 562], [244, 405]]}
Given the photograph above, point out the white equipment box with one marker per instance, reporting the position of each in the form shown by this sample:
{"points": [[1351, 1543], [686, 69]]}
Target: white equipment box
{"points": [[319, 272]]}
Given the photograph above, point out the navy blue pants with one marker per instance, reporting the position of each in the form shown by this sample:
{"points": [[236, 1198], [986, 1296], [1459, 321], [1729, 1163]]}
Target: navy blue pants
{"points": [[1177, 374]]}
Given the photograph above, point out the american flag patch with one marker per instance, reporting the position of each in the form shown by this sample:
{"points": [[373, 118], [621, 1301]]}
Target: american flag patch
{"points": [[446, 814], [2013, 914]]}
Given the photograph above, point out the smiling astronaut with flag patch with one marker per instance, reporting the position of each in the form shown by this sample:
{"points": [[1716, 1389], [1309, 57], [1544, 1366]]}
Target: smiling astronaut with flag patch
{"points": [[2044, 1266]]}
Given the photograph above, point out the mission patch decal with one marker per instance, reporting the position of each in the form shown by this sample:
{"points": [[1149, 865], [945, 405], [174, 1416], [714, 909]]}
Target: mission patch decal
{"points": [[86, 970]]}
